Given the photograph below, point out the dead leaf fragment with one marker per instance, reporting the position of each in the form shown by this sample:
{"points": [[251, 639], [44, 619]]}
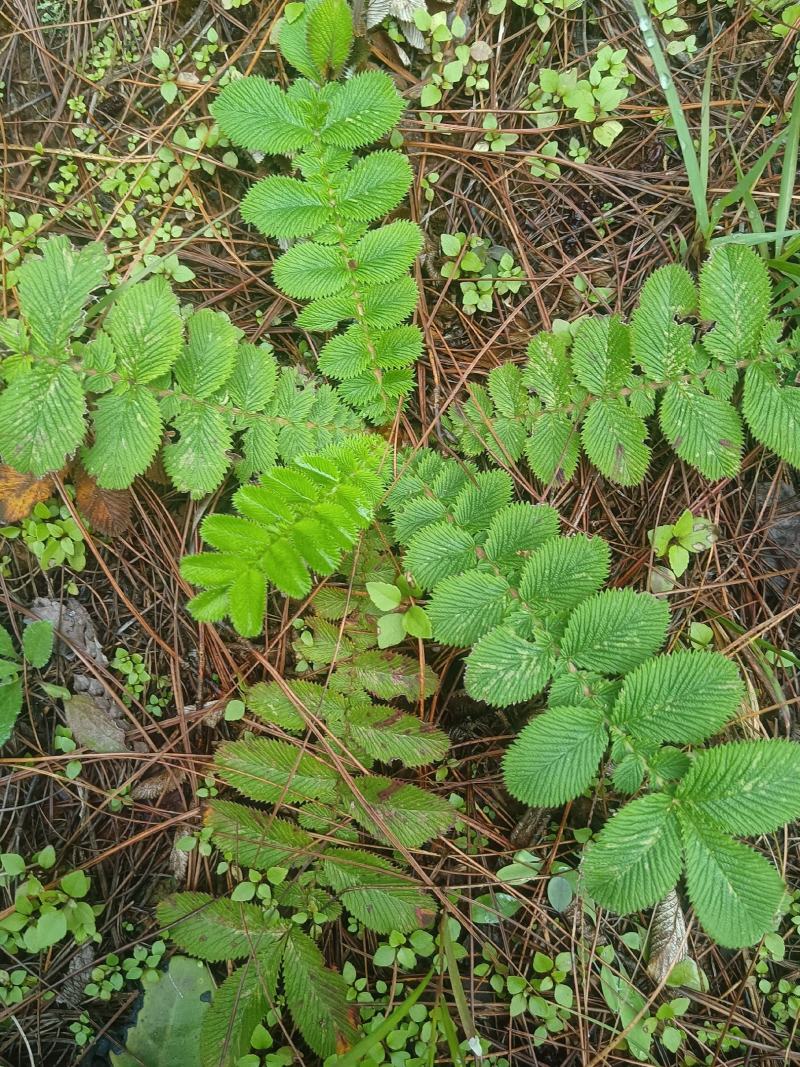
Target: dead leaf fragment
{"points": [[667, 938], [20, 493], [92, 725], [108, 510]]}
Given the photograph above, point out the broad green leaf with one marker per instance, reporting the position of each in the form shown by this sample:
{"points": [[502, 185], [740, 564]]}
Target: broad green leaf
{"points": [[735, 892], [683, 697], [146, 330], [563, 572], [208, 359], [553, 448], [386, 734], [37, 642], [601, 354], [373, 186], [745, 787], [516, 530], [440, 551], [464, 607], [256, 114], [54, 288], [704, 430], [615, 631], [198, 460], [311, 270], [555, 756], [329, 34], [735, 296], [41, 419], [366, 107], [772, 412], [636, 858], [10, 707], [285, 207], [659, 344], [127, 432], [613, 437], [504, 668], [316, 997], [273, 772], [172, 1013]]}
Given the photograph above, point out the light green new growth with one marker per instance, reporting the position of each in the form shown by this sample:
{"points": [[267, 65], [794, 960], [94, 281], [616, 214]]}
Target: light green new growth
{"points": [[318, 844], [527, 600], [298, 519], [150, 379], [709, 357], [349, 272]]}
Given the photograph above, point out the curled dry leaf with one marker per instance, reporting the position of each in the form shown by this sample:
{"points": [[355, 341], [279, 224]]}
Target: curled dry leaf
{"points": [[108, 510], [20, 493], [71, 621], [667, 938], [158, 784]]}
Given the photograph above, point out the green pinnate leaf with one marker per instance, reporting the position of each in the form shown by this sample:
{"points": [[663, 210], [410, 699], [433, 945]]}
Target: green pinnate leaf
{"points": [[505, 668], [615, 631], [373, 186], [54, 287], [376, 892], [316, 996], [215, 929], [563, 572], [555, 756], [746, 787], [271, 771], [659, 343], [735, 295], [636, 858], [397, 812], [255, 113], [239, 1005], [257, 839], [735, 892], [683, 697]]}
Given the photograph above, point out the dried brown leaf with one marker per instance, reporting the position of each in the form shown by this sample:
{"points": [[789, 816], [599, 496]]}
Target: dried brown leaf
{"points": [[108, 510], [92, 725], [20, 493], [158, 784], [667, 937]]}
